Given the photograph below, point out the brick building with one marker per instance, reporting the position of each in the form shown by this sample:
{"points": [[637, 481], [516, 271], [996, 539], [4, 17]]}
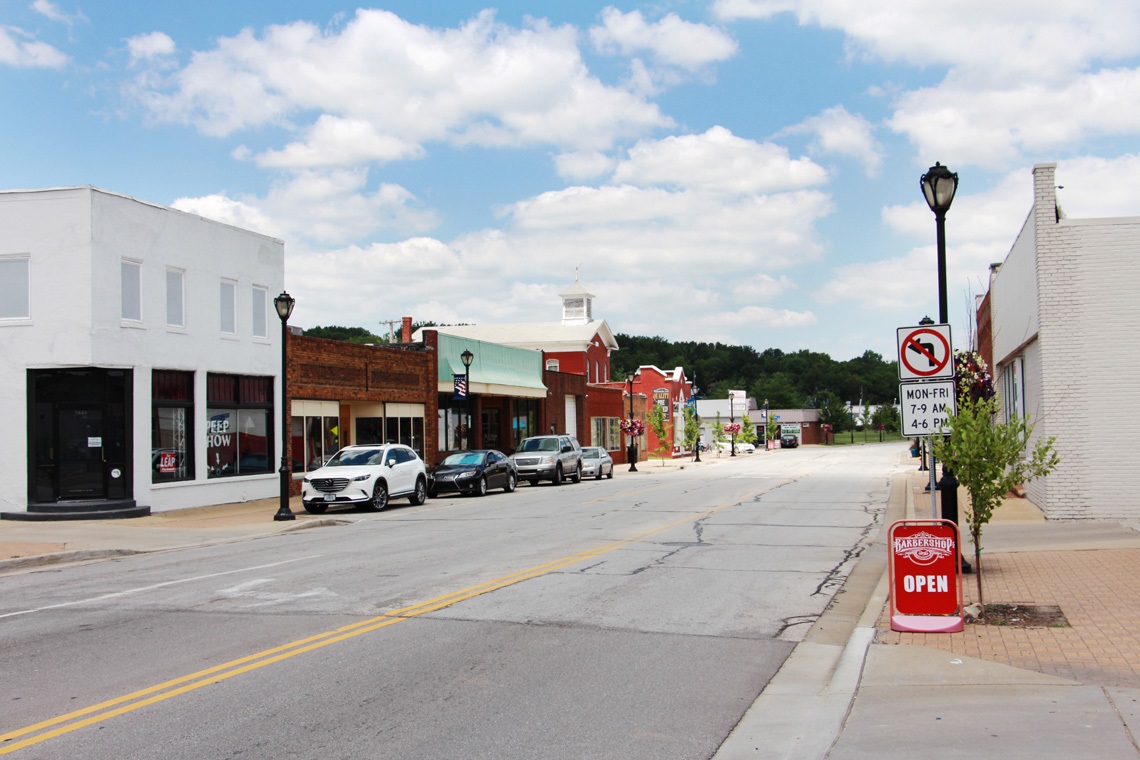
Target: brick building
{"points": [[1063, 310]]}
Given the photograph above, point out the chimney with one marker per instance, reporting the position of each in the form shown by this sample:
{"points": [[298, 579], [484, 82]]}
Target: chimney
{"points": [[406, 330]]}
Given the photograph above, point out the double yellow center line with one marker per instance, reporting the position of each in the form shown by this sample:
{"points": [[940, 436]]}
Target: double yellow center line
{"points": [[72, 721]]}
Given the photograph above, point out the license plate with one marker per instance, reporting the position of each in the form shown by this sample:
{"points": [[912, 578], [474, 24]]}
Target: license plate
{"points": [[330, 497]]}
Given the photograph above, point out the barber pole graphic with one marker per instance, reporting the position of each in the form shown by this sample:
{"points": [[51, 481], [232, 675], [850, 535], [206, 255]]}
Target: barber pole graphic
{"points": [[925, 565]]}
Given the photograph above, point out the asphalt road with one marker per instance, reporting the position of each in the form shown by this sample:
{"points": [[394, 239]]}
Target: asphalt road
{"points": [[637, 617]]}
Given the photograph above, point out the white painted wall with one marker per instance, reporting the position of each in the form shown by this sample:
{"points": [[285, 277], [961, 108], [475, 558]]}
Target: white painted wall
{"points": [[76, 238]]}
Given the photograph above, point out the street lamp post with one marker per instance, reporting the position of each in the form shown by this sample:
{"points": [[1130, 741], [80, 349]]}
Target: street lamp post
{"points": [[938, 187], [765, 424], [732, 422], [632, 451], [697, 417], [284, 304], [467, 358]]}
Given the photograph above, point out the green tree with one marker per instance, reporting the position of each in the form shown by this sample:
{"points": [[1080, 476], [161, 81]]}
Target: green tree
{"points": [[692, 428], [832, 411], [347, 334], [659, 425], [747, 431], [773, 428], [989, 459], [887, 415], [719, 438]]}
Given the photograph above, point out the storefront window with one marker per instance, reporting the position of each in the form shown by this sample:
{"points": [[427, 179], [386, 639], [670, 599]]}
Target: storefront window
{"points": [[607, 433], [172, 426], [370, 430], [524, 420], [239, 440]]}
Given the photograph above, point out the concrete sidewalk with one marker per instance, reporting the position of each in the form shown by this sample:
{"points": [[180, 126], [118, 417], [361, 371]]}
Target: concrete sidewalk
{"points": [[988, 691]]}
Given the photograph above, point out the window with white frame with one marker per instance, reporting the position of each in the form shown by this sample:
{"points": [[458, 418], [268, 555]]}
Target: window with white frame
{"points": [[552, 365], [175, 298], [260, 305], [1013, 388], [15, 287], [607, 433], [228, 303], [131, 290]]}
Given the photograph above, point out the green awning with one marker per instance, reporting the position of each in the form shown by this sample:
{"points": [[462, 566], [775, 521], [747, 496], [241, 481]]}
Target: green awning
{"points": [[497, 370]]}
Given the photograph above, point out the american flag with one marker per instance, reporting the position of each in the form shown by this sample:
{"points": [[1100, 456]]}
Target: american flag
{"points": [[460, 386]]}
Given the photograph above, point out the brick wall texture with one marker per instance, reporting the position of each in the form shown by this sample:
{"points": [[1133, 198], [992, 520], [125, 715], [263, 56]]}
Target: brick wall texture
{"points": [[1084, 363]]}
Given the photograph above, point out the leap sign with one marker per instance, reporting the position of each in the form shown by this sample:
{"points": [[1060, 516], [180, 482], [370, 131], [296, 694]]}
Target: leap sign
{"points": [[925, 353]]}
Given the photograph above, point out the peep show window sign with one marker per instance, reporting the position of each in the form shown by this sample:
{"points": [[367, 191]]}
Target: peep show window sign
{"points": [[237, 425]]}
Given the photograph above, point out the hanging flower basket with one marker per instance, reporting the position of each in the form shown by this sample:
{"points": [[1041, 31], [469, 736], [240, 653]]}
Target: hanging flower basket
{"points": [[632, 427], [732, 428]]}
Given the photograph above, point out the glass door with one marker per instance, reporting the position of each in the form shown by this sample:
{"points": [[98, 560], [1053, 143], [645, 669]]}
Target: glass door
{"points": [[81, 452]]}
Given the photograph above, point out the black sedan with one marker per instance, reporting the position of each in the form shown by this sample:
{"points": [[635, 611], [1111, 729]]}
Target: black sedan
{"points": [[789, 441], [472, 472]]}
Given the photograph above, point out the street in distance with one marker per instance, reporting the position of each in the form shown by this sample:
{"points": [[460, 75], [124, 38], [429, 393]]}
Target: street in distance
{"points": [[927, 406]]}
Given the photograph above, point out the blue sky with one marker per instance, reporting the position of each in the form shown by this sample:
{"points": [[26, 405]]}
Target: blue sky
{"points": [[743, 171]]}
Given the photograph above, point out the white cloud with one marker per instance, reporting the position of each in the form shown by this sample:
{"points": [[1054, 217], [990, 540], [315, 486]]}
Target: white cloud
{"points": [[842, 133], [324, 207], [995, 126], [20, 50], [583, 165], [717, 161], [481, 83], [671, 41], [51, 10], [335, 141], [144, 47]]}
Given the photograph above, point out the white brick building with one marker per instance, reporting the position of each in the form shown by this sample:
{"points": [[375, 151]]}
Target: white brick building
{"points": [[1065, 305], [141, 355]]}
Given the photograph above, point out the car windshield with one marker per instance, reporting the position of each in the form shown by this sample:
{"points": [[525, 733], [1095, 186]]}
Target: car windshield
{"points": [[590, 453], [356, 458], [539, 444], [464, 458]]}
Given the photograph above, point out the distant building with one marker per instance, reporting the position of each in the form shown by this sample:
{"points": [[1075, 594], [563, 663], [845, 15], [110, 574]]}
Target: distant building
{"points": [[1063, 311]]}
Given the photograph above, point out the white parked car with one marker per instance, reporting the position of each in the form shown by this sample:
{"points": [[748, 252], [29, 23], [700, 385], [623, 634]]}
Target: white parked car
{"points": [[597, 461], [741, 447], [366, 475]]}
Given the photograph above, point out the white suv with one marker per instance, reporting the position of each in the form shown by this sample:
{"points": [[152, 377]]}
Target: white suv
{"points": [[366, 475]]}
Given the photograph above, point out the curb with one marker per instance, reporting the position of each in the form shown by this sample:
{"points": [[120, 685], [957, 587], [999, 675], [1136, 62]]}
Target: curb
{"points": [[91, 555]]}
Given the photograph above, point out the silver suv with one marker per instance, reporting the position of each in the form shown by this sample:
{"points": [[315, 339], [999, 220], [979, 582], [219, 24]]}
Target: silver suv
{"points": [[549, 457], [366, 475]]}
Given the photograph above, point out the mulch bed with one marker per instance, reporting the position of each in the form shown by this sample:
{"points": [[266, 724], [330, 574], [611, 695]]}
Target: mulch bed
{"points": [[1022, 616]]}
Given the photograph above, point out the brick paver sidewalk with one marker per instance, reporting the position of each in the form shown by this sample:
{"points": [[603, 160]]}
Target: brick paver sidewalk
{"points": [[1098, 590]]}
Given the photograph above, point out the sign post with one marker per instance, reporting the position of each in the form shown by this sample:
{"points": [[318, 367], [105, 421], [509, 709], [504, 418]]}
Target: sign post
{"points": [[925, 567]]}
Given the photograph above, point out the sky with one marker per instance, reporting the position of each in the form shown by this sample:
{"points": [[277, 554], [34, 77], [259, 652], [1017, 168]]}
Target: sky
{"points": [[741, 171]]}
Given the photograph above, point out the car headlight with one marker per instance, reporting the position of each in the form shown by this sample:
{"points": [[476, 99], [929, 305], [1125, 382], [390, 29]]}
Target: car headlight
{"points": [[361, 477], [546, 459], [305, 479], [466, 474]]}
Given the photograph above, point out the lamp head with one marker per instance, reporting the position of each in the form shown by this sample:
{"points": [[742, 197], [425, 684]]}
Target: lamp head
{"points": [[467, 358], [284, 305], [938, 187]]}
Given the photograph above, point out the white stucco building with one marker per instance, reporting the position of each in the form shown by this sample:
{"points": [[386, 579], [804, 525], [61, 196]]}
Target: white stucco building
{"points": [[1064, 309], [142, 355]]}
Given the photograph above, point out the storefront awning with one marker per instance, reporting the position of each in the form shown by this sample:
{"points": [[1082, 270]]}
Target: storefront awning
{"points": [[497, 370]]}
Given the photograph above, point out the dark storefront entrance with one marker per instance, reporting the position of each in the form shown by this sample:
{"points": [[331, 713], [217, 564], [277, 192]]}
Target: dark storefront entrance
{"points": [[79, 435]]}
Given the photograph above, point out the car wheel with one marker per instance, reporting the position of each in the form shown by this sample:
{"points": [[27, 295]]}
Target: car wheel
{"points": [[314, 508], [557, 475], [577, 476], [512, 481], [599, 475], [610, 474], [419, 496], [379, 500], [481, 486], [433, 493]]}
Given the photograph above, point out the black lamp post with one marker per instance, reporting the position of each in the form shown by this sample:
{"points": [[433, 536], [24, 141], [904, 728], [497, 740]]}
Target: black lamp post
{"points": [[939, 185], [632, 451], [697, 417], [284, 304], [467, 358], [766, 423], [732, 422]]}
